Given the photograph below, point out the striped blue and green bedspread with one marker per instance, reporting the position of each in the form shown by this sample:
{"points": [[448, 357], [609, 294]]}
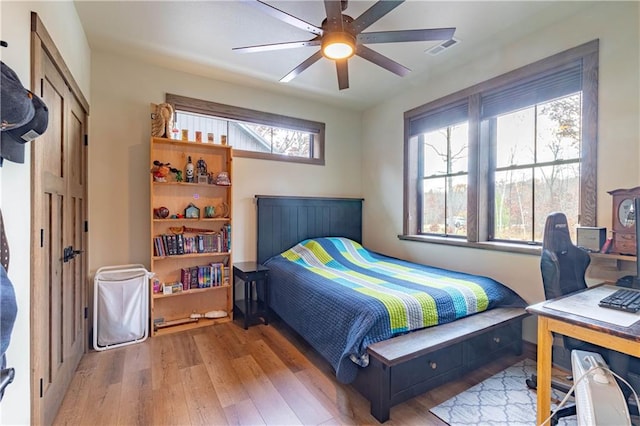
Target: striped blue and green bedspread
{"points": [[342, 297]]}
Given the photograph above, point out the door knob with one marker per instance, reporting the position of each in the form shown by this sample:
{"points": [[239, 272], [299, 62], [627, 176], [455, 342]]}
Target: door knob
{"points": [[68, 253]]}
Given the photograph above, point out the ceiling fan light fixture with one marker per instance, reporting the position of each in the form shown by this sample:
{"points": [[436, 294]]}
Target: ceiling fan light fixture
{"points": [[338, 45], [340, 37]]}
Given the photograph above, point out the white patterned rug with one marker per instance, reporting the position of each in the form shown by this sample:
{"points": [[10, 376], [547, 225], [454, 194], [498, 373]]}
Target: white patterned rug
{"points": [[502, 399]]}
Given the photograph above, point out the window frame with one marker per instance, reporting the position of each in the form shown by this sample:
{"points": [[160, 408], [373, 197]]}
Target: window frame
{"points": [[480, 187], [230, 112]]}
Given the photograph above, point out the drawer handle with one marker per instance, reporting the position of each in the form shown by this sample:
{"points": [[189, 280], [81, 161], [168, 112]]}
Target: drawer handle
{"points": [[496, 339], [433, 365]]}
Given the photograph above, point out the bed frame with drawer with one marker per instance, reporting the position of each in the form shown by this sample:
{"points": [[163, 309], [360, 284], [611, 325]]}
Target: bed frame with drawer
{"points": [[407, 365]]}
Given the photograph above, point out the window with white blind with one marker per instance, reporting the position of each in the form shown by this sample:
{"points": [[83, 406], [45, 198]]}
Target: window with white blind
{"points": [[489, 163], [253, 134]]}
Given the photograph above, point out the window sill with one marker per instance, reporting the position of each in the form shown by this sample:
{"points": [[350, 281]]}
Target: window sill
{"points": [[534, 250]]}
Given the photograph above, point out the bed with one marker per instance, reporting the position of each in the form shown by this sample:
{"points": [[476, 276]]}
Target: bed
{"points": [[391, 328]]}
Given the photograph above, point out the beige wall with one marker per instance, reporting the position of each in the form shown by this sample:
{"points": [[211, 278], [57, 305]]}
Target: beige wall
{"points": [[63, 25], [119, 156], [616, 24]]}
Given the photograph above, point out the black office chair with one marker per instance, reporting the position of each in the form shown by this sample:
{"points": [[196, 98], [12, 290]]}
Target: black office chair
{"points": [[563, 266]]}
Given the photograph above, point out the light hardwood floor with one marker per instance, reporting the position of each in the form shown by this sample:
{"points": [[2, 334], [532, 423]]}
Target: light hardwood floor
{"points": [[227, 375]]}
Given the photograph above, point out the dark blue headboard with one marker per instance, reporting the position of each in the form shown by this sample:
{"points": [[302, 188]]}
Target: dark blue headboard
{"points": [[285, 221]]}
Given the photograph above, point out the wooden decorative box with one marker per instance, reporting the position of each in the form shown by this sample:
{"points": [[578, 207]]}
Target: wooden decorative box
{"points": [[624, 221]]}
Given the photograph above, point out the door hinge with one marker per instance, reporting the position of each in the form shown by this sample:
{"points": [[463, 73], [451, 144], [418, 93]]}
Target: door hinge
{"points": [[41, 237], [86, 226], [42, 87], [41, 387], [86, 140], [86, 312]]}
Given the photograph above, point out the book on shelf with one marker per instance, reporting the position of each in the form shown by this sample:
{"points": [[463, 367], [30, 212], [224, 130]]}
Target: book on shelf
{"points": [[158, 247], [185, 278], [225, 275], [194, 277], [203, 276], [174, 244], [178, 244], [169, 243], [606, 246]]}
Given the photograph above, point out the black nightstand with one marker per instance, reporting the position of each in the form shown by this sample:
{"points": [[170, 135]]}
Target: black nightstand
{"points": [[254, 301]]}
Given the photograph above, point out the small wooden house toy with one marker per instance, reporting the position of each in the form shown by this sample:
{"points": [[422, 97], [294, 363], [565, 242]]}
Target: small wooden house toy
{"points": [[192, 212]]}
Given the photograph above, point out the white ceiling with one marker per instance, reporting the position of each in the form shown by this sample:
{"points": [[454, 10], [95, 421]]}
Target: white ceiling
{"points": [[198, 37]]}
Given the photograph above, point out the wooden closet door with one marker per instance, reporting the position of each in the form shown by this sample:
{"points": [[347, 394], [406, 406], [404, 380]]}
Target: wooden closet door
{"points": [[59, 176]]}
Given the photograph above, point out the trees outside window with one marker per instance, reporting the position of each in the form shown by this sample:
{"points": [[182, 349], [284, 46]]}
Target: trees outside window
{"points": [[489, 163], [444, 199], [537, 168]]}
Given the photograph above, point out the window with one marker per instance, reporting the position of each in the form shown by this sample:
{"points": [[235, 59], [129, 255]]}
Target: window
{"points": [[444, 151], [537, 167], [489, 163], [253, 134]]}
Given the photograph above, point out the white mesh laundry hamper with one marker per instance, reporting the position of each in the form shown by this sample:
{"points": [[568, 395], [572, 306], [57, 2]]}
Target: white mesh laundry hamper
{"points": [[120, 306]]}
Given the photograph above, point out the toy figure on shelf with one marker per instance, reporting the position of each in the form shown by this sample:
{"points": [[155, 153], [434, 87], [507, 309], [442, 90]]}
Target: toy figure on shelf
{"points": [[201, 166], [201, 169], [160, 171]]}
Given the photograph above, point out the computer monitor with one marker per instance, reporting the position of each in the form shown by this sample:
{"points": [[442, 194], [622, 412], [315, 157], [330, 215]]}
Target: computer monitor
{"points": [[633, 281]]}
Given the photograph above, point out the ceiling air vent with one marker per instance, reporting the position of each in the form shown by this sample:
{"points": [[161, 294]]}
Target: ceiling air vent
{"points": [[436, 50]]}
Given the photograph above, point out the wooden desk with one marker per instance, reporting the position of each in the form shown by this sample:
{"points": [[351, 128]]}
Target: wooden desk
{"points": [[622, 339]]}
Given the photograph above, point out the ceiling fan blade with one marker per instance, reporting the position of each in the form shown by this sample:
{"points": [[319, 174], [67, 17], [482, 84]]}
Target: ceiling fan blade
{"points": [[375, 12], [342, 67], [284, 16], [381, 60], [303, 66], [334, 15], [406, 35], [278, 46]]}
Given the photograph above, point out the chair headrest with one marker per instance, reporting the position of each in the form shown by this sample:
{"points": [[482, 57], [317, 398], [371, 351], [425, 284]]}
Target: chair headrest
{"points": [[556, 236]]}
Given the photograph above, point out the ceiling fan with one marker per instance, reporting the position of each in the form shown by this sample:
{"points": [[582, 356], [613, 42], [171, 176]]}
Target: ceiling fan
{"points": [[340, 37]]}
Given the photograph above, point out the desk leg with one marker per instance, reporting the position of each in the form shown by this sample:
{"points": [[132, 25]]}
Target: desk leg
{"points": [[545, 342]]}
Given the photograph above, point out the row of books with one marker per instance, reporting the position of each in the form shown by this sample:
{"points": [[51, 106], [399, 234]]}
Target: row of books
{"points": [[177, 244], [204, 276]]}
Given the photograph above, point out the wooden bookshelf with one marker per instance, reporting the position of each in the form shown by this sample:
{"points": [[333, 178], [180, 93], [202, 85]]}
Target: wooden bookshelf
{"points": [[171, 312]]}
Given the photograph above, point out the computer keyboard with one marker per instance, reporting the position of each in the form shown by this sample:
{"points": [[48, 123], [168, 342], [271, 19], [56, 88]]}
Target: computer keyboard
{"points": [[622, 300]]}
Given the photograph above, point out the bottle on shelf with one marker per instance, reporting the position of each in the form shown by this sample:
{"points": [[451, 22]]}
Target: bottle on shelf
{"points": [[188, 170], [175, 133]]}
